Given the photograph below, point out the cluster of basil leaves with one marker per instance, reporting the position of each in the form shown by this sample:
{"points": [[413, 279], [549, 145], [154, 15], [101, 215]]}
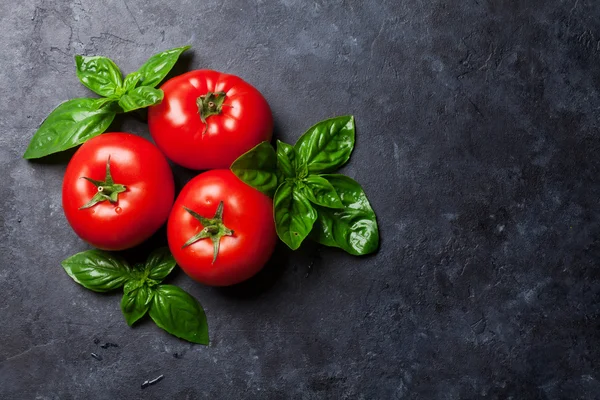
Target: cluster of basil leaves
{"points": [[308, 199], [78, 120], [170, 307]]}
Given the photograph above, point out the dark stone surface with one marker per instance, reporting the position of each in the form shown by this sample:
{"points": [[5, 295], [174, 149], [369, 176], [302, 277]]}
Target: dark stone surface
{"points": [[477, 143]]}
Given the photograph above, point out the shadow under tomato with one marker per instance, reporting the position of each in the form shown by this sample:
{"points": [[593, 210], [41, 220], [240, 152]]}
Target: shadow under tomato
{"points": [[182, 175], [264, 279], [140, 253]]}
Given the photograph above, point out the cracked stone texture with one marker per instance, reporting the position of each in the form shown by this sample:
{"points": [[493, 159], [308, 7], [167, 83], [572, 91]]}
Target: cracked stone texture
{"points": [[477, 143]]}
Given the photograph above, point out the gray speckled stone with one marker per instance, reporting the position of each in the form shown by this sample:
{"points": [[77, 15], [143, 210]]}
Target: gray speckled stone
{"points": [[477, 144]]}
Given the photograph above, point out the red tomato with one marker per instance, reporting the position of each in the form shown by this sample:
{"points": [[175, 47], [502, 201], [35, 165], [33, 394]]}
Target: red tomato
{"points": [[131, 207], [207, 119], [245, 235]]}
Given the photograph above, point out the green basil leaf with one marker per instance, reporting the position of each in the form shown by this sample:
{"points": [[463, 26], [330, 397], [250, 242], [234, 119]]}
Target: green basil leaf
{"points": [[286, 159], [294, 215], [140, 97], [136, 302], [258, 168], [353, 228], [99, 74], [98, 270], [133, 284], [160, 263], [158, 66], [320, 192], [70, 124], [179, 313], [131, 81], [327, 145]]}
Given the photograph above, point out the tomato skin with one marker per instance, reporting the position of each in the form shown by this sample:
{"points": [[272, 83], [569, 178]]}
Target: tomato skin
{"points": [[248, 212], [176, 127], [139, 211]]}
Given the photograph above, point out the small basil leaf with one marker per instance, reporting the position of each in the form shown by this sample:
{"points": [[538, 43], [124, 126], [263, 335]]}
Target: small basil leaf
{"points": [[286, 159], [158, 66], [135, 303], [99, 74], [133, 284], [131, 80], [294, 215], [319, 191], [180, 314], [98, 270], [159, 264], [140, 97], [70, 124], [353, 228], [258, 168], [327, 145]]}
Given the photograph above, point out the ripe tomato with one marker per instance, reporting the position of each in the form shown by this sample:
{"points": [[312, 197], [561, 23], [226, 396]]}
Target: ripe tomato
{"points": [[207, 119], [117, 191], [221, 231]]}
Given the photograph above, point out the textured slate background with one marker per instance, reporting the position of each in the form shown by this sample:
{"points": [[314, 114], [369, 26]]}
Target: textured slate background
{"points": [[477, 144]]}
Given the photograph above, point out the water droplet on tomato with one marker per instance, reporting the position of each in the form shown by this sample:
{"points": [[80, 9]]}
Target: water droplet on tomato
{"points": [[118, 210]]}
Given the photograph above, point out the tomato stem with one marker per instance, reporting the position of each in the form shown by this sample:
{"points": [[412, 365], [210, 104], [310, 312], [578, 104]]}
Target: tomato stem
{"points": [[108, 190], [208, 105], [214, 229]]}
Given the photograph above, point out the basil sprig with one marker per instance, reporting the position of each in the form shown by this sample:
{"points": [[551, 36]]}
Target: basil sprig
{"points": [[170, 307], [309, 201], [76, 121]]}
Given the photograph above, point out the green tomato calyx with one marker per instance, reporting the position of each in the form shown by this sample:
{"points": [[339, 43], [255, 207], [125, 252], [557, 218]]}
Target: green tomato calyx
{"points": [[210, 104], [214, 228], [108, 190]]}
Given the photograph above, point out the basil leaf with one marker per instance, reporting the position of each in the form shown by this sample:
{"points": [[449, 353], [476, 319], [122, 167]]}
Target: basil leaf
{"points": [[258, 168], [136, 302], [294, 215], [319, 191], [160, 263], [158, 66], [99, 74], [286, 158], [131, 81], [353, 228], [133, 284], [140, 97], [180, 314], [98, 270], [327, 145], [70, 124]]}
